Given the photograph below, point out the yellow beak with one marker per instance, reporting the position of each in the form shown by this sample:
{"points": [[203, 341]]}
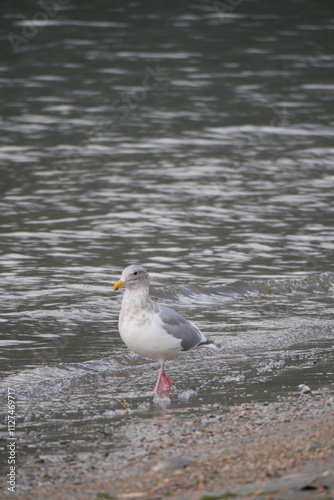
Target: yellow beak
{"points": [[119, 283]]}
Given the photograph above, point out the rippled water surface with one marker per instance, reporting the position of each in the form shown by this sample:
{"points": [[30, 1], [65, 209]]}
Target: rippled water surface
{"points": [[195, 140]]}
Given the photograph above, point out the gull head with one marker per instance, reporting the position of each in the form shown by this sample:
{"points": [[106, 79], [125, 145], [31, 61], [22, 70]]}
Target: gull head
{"points": [[133, 276]]}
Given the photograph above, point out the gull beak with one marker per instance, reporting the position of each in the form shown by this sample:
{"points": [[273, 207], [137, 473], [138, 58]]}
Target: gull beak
{"points": [[119, 283]]}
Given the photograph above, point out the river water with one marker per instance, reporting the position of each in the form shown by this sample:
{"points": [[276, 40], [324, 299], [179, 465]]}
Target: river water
{"points": [[194, 138]]}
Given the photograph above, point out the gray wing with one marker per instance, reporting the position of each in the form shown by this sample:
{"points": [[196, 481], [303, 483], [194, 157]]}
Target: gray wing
{"points": [[176, 325]]}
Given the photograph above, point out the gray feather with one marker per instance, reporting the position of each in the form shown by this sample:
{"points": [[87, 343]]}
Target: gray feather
{"points": [[180, 328]]}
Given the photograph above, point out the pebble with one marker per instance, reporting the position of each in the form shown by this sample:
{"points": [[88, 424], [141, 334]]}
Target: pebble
{"points": [[186, 395], [172, 464], [161, 400], [304, 389]]}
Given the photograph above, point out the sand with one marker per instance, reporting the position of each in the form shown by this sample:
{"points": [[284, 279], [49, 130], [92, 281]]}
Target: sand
{"points": [[281, 450]]}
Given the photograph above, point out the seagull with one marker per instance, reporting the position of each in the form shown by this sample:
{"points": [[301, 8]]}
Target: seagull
{"points": [[152, 330]]}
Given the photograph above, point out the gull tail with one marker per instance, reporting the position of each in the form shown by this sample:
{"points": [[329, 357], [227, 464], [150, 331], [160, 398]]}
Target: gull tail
{"points": [[210, 343]]}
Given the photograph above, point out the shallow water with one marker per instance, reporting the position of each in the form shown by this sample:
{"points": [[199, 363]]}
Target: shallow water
{"points": [[196, 142]]}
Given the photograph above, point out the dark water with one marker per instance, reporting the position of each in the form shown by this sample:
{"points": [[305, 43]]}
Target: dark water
{"points": [[195, 138]]}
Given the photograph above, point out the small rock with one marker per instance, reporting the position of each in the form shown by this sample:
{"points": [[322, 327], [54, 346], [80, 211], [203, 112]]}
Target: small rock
{"points": [[173, 464], [144, 406], [161, 400], [186, 395], [304, 389], [110, 413]]}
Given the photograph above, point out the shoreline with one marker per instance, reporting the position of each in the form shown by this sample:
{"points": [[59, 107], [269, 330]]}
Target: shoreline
{"points": [[252, 448]]}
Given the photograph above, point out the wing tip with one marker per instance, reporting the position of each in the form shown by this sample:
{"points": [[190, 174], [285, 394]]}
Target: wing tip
{"points": [[211, 343]]}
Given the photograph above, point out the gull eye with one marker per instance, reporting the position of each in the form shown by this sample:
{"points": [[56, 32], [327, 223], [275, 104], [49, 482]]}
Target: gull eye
{"points": [[135, 273]]}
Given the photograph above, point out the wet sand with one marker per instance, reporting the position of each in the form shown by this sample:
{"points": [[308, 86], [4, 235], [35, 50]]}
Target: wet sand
{"points": [[281, 450]]}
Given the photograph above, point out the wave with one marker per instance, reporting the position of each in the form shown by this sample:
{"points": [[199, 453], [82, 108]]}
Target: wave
{"points": [[311, 284], [44, 381]]}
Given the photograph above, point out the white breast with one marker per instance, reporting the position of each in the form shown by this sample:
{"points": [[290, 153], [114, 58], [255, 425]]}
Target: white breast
{"points": [[144, 334]]}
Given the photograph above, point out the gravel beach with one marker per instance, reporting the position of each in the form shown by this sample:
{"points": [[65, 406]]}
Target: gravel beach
{"points": [[281, 450]]}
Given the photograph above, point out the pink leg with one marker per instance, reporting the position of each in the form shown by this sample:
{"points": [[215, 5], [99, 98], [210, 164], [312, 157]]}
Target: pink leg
{"points": [[164, 382]]}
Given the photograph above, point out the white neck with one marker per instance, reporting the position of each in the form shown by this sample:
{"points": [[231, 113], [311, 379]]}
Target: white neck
{"points": [[137, 298]]}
